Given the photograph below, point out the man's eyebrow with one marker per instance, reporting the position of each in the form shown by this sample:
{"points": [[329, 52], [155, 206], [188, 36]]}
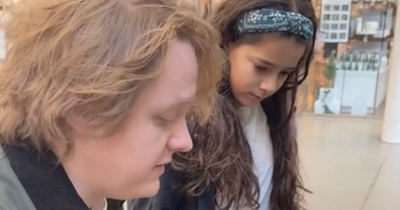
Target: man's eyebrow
{"points": [[182, 101]]}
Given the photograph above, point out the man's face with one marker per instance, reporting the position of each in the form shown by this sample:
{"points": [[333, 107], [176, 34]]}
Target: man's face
{"points": [[129, 163]]}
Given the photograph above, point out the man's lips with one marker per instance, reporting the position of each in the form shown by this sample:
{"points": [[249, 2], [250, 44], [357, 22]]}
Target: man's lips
{"points": [[163, 164]]}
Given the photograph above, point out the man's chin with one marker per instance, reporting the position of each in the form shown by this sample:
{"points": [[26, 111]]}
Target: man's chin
{"points": [[148, 190]]}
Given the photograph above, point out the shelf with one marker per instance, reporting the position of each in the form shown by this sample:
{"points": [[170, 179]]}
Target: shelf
{"points": [[377, 35], [376, 5]]}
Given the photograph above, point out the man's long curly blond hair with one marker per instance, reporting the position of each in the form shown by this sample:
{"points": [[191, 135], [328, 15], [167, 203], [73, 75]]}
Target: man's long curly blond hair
{"points": [[90, 58]]}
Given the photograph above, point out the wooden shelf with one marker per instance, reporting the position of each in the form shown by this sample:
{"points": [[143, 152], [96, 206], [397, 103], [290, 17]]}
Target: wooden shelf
{"points": [[369, 38], [373, 5]]}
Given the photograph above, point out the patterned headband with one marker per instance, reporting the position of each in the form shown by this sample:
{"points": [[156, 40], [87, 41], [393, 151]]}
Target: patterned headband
{"points": [[272, 20]]}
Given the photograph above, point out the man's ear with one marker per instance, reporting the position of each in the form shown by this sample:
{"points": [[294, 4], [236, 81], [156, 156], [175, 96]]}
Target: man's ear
{"points": [[82, 129]]}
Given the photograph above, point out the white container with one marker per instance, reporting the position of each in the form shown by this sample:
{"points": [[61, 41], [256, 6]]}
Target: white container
{"points": [[359, 25], [371, 26]]}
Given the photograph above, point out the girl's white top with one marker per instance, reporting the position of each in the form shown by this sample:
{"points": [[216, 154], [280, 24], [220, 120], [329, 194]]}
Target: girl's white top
{"points": [[258, 135], [257, 132]]}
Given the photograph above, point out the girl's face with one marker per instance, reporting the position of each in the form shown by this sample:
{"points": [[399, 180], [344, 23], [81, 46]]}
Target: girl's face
{"points": [[259, 70]]}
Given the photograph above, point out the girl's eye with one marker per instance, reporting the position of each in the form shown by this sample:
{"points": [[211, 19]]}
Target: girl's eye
{"points": [[288, 72]]}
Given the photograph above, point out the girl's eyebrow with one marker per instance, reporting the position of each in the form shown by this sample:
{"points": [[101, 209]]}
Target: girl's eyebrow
{"points": [[266, 62]]}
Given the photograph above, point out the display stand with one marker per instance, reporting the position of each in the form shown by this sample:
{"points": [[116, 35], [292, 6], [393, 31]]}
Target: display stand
{"points": [[359, 92], [359, 81]]}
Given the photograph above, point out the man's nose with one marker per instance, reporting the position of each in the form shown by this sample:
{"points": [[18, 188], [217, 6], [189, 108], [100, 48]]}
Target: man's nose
{"points": [[181, 140]]}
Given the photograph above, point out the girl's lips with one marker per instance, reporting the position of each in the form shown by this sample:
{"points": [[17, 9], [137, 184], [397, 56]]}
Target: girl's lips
{"points": [[256, 96]]}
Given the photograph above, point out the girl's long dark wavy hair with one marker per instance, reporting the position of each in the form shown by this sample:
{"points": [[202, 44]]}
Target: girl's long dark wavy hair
{"points": [[221, 158]]}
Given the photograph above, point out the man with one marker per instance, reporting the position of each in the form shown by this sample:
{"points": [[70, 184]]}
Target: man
{"points": [[94, 98]]}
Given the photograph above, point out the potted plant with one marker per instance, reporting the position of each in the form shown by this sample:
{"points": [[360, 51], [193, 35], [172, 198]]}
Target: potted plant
{"points": [[330, 70]]}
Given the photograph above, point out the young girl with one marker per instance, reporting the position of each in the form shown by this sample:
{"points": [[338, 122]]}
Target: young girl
{"points": [[247, 158]]}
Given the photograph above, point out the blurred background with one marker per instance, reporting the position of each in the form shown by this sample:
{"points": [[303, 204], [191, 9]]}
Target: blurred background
{"points": [[349, 117]]}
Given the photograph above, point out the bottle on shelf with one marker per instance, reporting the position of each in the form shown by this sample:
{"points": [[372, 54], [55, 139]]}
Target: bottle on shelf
{"points": [[369, 57], [354, 57], [353, 66], [348, 66], [363, 66], [376, 65], [368, 67], [363, 57], [341, 58], [377, 57], [359, 25]]}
